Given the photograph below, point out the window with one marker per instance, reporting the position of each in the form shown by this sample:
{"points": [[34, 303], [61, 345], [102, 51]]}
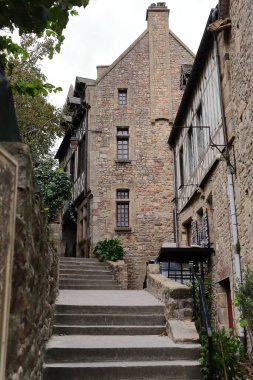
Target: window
{"points": [[72, 167], [185, 74], [190, 152], [200, 132], [122, 96], [81, 158], [122, 143], [122, 208], [181, 166]]}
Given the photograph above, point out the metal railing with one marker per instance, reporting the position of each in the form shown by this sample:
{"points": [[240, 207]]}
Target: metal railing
{"points": [[182, 271], [200, 309]]}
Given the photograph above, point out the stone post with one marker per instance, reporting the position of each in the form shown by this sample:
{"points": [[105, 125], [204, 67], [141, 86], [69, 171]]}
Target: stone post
{"points": [[8, 191]]}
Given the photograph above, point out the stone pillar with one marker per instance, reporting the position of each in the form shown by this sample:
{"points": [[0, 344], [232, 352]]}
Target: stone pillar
{"points": [[159, 55], [8, 191]]}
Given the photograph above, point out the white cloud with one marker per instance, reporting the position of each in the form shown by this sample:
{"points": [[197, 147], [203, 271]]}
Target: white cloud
{"points": [[105, 28]]}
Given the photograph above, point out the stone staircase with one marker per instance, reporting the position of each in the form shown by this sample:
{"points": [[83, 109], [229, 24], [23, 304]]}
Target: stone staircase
{"points": [[83, 273], [113, 335]]}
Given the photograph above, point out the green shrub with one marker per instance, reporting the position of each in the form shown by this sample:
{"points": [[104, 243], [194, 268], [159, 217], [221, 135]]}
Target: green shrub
{"points": [[109, 250], [54, 186], [225, 359], [244, 301], [222, 359]]}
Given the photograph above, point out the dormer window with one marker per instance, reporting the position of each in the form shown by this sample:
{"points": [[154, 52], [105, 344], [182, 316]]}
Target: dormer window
{"points": [[185, 74]]}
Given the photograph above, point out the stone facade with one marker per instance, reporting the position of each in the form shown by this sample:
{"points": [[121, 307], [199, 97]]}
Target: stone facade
{"points": [[233, 32], [34, 277], [149, 71], [241, 106]]}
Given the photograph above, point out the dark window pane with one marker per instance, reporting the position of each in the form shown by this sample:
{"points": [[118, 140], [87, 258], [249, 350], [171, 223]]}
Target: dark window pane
{"points": [[122, 149], [122, 194], [122, 97], [122, 214]]}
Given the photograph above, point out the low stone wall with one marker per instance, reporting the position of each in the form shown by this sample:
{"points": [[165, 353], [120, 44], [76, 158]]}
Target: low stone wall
{"points": [[56, 236], [119, 270], [178, 305], [34, 278]]}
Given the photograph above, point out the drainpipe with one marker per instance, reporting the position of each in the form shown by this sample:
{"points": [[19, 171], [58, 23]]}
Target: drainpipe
{"points": [[231, 193], [175, 198]]}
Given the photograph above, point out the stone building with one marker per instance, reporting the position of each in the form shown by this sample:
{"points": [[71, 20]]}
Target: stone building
{"points": [[213, 156], [127, 113]]}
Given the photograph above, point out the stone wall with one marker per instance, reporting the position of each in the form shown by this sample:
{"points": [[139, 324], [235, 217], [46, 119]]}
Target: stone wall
{"points": [[177, 299], [33, 278], [8, 198], [148, 172], [119, 271], [213, 197], [241, 52], [55, 231]]}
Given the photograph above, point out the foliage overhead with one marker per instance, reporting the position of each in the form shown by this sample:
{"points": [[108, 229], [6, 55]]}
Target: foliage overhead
{"points": [[54, 186], [38, 120], [109, 250], [45, 18]]}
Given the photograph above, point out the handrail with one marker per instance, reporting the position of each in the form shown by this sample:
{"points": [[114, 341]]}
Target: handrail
{"points": [[200, 307]]}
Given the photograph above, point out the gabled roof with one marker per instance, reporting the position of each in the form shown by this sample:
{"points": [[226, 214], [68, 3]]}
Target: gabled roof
{"points": [[132, 46]]}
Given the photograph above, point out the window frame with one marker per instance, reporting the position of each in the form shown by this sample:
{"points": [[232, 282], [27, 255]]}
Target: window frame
{"points": [[122, 96], [181, 166], [122, 213], [121, 156]]}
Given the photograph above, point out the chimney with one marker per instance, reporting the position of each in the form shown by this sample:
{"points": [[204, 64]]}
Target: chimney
{"points": [[159, 56], [101, 70]]}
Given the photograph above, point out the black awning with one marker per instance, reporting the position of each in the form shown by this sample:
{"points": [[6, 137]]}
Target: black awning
{"points": [[184, 254]]}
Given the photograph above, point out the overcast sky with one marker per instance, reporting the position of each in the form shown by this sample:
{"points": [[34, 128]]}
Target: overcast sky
{"points": [[105, 28]]}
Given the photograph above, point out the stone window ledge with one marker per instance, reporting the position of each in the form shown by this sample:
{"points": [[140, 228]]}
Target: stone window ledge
{"points": [[123, 161], [123, 229]]}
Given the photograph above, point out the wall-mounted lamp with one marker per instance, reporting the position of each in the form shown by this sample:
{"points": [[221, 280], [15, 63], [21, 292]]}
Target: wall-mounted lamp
{"points": [[73, 143]]}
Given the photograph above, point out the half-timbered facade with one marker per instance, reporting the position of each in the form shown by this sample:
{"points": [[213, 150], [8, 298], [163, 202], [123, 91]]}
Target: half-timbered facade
{"points": [[203, 185]]}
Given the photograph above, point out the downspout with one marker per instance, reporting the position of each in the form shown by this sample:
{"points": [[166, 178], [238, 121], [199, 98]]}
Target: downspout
{"points": [[175, 200], [231, 192]]}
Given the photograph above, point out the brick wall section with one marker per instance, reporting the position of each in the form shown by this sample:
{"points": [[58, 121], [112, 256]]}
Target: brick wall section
{"points": [[149, 174], [241, 14], [34, 278]]}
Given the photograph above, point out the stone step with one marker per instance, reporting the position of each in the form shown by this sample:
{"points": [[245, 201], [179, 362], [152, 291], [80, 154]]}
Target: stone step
{"points": [[89, 282], [85, 270], [88, 272], [90, 287], [108, 330], [110, 319], [86, 348], [83, 264], [92, 276], [79, 259], [110, 309], [134, 370]]}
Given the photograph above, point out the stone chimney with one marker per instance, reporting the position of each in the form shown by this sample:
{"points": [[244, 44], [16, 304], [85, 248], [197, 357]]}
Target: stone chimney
{"points": [[101, 70], [159, 54]]}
